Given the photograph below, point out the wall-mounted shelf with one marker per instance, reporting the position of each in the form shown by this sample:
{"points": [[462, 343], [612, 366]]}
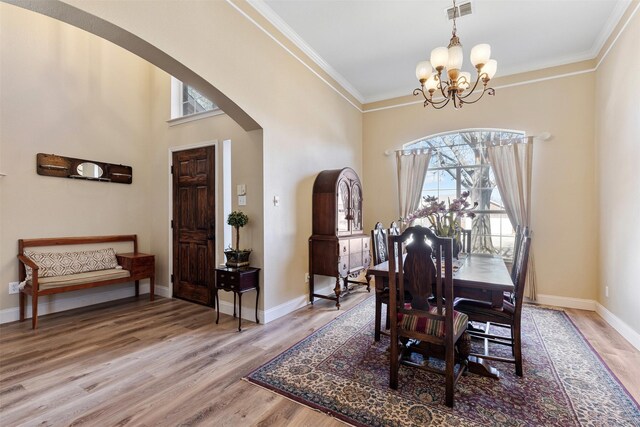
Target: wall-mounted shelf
{"points": [[69, 167]]}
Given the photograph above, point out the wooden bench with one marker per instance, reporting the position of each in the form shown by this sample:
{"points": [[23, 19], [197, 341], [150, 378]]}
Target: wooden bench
{"points": [[134, 267]]}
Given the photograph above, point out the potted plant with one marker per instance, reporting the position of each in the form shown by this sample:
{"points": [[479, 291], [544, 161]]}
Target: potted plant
{"points": [[236, 257]]}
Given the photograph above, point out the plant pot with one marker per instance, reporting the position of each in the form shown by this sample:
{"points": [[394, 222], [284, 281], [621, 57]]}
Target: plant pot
{"points": [[237, 259]]}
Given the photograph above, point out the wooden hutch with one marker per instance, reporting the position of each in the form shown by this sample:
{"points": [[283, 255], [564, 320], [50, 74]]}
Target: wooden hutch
{"points": [[338, 247]]}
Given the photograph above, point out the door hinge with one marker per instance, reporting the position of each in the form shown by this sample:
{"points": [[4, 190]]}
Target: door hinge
{"points": [[171, 223], [171, 169], [172, 278]]}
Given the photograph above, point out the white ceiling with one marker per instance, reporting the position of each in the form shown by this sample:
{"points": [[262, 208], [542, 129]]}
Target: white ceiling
{"points": [[371, 47]]}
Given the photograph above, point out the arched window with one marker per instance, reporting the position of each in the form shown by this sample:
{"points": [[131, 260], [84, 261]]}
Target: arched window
{"points": [[460, 163]]}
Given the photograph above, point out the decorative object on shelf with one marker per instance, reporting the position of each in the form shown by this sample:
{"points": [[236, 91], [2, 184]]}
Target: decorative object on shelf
{"points": [[236, 257], [69, 167], [456, 81], [445, 220], [338, 247]]}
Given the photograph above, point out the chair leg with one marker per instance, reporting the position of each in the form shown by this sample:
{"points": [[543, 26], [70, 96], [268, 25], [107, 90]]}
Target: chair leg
{"points": [[378, 320], [34, 310], [449, 375], [23, 303], [388, 320], [394, 362], [517, 349]]}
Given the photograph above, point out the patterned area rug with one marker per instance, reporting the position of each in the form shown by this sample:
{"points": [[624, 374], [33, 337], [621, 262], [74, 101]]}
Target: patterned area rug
{"points": [[341, 371]]}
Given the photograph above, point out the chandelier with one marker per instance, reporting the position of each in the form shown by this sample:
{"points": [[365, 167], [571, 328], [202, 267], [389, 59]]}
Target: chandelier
{"points": [[457, 85]]}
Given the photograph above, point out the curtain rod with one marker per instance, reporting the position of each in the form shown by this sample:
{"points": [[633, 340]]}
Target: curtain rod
{"points": [[543, 136]]}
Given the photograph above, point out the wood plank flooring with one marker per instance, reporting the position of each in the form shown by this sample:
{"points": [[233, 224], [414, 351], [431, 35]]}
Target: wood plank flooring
{"points": [[132, 362]]}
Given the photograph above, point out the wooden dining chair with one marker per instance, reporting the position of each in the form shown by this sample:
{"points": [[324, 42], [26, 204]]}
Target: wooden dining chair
{"points": [[508, 316], [380, 254], [424, 269], [520, 232]]}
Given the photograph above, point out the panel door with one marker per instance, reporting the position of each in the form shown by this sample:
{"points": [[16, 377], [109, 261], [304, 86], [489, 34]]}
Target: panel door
{"points": [[194, 224]]}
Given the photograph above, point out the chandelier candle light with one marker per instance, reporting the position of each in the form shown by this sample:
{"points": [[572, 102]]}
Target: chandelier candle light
{"points": [[458, 81]]}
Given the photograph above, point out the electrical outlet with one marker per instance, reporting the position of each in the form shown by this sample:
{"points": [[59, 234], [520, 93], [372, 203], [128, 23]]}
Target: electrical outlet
{"points": [[606, 291], [306, 277], [14, 287]]}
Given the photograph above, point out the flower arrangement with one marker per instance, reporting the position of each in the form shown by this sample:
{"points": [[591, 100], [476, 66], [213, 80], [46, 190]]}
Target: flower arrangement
{"points": [[445, 220]]}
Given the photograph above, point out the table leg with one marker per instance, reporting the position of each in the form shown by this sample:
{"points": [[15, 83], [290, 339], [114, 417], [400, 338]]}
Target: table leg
{"points": [[217, 307], [152, 287], [336, 290], [137, 288], [257, 298], [239, 312], [234, 304], [480, 366], [378, 322]]}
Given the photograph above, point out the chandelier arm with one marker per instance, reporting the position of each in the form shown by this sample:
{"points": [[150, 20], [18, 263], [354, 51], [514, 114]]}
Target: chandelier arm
{"points": [[419, 90], [480, 77], [441, 105], [488, 90], [444, 101], [446, 95]]}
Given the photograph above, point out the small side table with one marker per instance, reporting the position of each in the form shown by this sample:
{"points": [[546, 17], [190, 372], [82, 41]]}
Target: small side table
{"points": [[141, 266], [238, 281]]}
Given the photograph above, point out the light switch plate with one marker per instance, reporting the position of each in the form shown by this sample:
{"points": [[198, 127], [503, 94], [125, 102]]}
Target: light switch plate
{"points": [[242, 190]]}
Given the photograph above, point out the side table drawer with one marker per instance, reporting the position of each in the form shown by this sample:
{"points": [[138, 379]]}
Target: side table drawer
{"points": [[227, 279]]}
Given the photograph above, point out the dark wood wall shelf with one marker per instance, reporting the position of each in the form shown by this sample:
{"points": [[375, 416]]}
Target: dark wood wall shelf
{"points": [[70, 167]]}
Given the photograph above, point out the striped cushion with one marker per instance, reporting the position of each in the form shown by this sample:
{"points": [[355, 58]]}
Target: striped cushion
{"points": [[53, 264], [427, 326]]}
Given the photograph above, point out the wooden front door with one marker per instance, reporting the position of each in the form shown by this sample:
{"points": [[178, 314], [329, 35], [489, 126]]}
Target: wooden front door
{"points": [[194, 224]]}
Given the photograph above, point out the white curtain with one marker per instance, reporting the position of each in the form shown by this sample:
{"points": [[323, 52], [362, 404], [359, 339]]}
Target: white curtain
{"points": [[512, 164], [412, 169]]}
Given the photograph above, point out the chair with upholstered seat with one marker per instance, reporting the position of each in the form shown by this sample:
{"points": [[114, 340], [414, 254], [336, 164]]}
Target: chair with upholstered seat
{"points": [[509, 315], [426, 268]]}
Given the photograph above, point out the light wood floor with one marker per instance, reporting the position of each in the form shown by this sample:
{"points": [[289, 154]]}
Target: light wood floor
{"points": [[167, 363]]}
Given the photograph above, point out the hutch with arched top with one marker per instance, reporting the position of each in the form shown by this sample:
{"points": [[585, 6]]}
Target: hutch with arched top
{"points": [[338, 247]]}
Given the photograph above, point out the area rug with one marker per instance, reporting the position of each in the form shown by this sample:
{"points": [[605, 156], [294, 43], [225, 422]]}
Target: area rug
{"points": [[341, 371]]}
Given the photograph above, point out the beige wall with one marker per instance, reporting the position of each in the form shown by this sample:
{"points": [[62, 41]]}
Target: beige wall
{"points": [[564, 218], [246, 168], [62, 91], [307, 126], [618, 156]]}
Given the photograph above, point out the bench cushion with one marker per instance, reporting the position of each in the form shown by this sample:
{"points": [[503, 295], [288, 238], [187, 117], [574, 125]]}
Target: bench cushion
{"points": [[54, 264], [74, 279]]}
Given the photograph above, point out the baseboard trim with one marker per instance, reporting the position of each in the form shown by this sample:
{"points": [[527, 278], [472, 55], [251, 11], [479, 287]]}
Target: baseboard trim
{"points": [[162, 291], [619, 325], [567, 302], [64, 301], [292, 305]]}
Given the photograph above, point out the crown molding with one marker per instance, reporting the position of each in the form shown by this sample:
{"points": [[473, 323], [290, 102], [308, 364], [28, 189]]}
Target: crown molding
{"points": [[611, 24], [274, 19], [605, 34]]}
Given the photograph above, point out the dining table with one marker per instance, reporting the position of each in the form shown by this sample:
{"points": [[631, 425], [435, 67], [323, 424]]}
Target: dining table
{"points": [[481, 277]]}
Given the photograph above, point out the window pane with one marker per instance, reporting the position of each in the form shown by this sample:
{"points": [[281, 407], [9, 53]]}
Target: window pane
{"points": [[459, 163]]}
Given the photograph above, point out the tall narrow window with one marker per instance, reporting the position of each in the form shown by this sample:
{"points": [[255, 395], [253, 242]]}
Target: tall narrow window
{"points": [[460, 163]]}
